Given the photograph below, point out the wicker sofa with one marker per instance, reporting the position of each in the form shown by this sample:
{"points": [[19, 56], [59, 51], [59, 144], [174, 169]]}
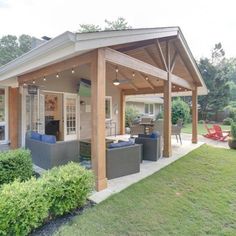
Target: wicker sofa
{"points": [[48, 155]]}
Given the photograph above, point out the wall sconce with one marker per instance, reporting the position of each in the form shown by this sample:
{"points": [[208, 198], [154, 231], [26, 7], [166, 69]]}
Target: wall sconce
{"points": [[82, 102]]}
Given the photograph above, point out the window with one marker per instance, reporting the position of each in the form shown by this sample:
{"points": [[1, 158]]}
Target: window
{"points": [[149, 109], [3, 116], [108, 108]]}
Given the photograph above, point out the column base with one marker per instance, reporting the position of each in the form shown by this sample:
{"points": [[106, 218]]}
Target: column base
{"points": [[101, 184]]}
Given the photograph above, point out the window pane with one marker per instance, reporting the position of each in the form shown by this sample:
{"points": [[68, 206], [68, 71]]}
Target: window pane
{"points": [[151, 109], [146, 110], [108, 108], [2, 105], [2, 133]]}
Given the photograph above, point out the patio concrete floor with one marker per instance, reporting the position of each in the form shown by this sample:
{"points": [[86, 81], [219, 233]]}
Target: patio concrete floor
{"points": [[147, 168]]}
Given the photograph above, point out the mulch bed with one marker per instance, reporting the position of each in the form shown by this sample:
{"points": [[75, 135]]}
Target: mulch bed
{"points": [[50, 227]]}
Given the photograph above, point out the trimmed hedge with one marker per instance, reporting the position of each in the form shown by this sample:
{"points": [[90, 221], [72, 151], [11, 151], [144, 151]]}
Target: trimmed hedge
{"points": [[24, 206], [15, 164], [68, 187]]}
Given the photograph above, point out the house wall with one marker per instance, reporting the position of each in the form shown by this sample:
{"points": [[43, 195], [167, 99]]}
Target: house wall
{"points": [[68, 83], [140, 107]]}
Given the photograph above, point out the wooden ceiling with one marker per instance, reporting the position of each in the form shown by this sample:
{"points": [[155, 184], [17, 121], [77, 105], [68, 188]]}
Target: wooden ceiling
{"points": [[150, 52]]}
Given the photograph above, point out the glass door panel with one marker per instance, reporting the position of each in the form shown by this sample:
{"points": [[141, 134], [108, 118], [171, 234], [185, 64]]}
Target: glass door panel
{"points": [[70, 116]]}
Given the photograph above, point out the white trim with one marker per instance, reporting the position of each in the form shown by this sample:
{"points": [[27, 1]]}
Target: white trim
{"points": [[6, 122]]}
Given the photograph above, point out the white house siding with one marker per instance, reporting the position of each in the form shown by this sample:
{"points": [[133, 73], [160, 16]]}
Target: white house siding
{"points": [[140, 107]]}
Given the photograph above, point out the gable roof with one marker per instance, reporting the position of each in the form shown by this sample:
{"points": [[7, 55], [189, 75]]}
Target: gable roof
{"points": [[70, 44]]}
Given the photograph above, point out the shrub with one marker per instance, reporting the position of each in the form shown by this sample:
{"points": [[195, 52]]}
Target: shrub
{"points": [[160, 115], [180, 110], [232, 113], [67, 187], [15, 164], [227, 121], [131, 113], [23, 207], [201, 122], [233, 131]]}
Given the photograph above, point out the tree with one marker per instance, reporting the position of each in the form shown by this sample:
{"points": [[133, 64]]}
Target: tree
{"points": [[215, 75], [180, 110], [119, 24], [25, 43], [84, 28], [12, 47], [8, 49]]}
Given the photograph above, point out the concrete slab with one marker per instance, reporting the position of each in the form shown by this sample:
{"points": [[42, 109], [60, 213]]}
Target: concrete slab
{"points": [[147, 168]]}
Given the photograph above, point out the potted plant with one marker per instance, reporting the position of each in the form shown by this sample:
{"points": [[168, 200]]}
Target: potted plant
{"points": [[232, 139]]}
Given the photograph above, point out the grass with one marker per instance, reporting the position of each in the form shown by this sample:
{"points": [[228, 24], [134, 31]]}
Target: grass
{"points": [[196, 195], [201, 129]]}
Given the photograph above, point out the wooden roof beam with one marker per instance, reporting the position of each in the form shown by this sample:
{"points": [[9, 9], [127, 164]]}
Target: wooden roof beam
{"points": [[122, 59], [181, 82], [143, 91]]}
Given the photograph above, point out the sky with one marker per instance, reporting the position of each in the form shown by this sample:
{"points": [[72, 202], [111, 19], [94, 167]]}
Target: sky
{"points": [[203, 22]]}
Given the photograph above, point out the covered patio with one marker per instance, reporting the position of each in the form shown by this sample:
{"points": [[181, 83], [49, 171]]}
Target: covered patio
{"points": [[118, 63]]}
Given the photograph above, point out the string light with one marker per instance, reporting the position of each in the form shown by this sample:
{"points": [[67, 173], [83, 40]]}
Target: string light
{"points": [[33, 81], [57, 75], [146, 78], [133, 75], [72, 71], [44, 78]]}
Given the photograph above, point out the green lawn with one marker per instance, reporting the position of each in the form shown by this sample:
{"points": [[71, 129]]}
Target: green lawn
{"points": [[196, 195], [201, 129]]}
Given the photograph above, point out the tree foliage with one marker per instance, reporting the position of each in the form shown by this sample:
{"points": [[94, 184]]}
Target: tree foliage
{"points": [[215, 73], [180, 110], [119, 24], [84, 28], [12, 47]]}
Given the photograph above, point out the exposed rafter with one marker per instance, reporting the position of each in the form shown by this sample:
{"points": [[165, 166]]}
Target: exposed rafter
{"points": [[150, 84], [152, 57], [130, 82], [163, 60], [118, 58], [173, 61], [55, 68]]}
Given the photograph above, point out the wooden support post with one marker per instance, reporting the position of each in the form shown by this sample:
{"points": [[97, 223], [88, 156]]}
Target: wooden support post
{"points": [[167, 151], [194, 115], [98, 89], [13, 117], [122, 113]]}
